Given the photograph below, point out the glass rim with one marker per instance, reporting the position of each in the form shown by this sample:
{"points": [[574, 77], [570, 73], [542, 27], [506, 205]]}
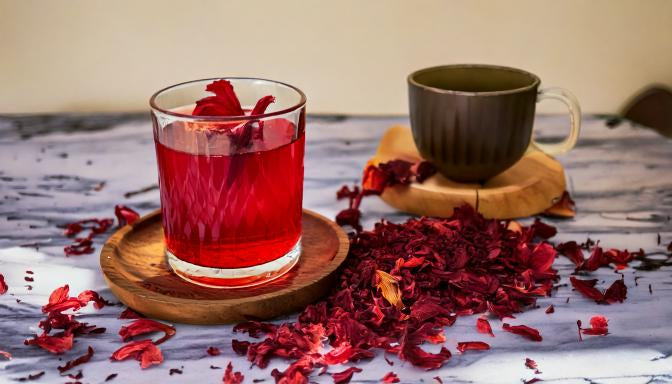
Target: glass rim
{"points": [[155, 107]]}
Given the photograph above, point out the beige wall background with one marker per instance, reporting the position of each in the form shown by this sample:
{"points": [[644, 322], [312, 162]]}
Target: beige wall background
{"points": [[349, 56]]}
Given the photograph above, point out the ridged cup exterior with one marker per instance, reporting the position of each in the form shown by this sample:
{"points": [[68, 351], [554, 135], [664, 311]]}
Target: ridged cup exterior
{"points": [[471, 137]]}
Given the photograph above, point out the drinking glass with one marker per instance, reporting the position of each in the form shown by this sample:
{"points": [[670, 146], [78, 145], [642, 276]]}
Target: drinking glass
{"points": [[231, 186]]}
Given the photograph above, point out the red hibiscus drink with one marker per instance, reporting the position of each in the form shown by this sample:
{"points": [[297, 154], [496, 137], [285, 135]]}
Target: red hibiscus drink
{"points": [[230, 159]]}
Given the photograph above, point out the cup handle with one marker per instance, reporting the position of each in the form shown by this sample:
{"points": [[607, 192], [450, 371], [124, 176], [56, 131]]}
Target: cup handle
{"points": [[572, 104]]}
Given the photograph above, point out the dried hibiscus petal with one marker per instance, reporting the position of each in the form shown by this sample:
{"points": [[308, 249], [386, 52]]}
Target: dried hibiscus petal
{"points": [[423, 359], [424, 170], [3, 285], [472, 346], [75, 362], [345, 376], [599, 325], [255, 328], [344, 353], [145, 351], [240, 347], [587, 288], [213, 351], [615, 293], [531, 364], [98, 302], [483, 326], [390, 377], [75, 376], [31, 377], [128, 313], [144, 326], [72, 229], [6, 354], [297, 372], [374, 181], [125, 215], [523, 330], [53, 344], [96, 226], [80, 246], [231, 377], [573, 252], [351, 217], [595, 260], [550, 309]]}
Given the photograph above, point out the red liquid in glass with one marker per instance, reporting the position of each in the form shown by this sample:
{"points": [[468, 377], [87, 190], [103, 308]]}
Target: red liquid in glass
{"points": [[234, 211]]}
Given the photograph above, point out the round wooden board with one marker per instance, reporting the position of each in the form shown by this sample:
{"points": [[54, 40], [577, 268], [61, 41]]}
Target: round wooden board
{"points": [[529, 187], [135, 268]]}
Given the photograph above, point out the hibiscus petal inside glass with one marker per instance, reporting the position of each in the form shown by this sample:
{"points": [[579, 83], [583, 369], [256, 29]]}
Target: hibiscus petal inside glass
{"points": [[230, 159]]}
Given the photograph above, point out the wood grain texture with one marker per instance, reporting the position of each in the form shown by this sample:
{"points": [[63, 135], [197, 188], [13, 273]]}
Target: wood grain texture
{"points": [[527, 188], [135, 268]]}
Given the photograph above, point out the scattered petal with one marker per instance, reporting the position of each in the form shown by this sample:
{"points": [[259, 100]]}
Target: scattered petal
{"points": [[344, 377], [615, 293], [128, 313], [75, 362], [3, 285], [240, 347], [483, 326], [599, 325], [125, 215], [390, 377], [53, 344], [144, 351], [31, 377], [523, 330], [472, 346], [531, 364], [144, 326]]}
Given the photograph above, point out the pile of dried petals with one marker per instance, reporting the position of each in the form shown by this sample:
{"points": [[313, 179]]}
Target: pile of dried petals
{"points": [[402, 283], [59, 302]]}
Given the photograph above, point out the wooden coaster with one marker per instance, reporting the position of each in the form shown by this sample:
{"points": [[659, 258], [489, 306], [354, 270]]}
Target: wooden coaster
{"points": [[135, 268], [527, 188]]}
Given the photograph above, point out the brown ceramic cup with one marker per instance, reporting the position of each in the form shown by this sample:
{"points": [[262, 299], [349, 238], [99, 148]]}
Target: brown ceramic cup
{"points": [[475, 121]]}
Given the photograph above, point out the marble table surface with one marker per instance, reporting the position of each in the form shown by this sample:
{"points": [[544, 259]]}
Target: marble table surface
{"points": [[56, 169]]}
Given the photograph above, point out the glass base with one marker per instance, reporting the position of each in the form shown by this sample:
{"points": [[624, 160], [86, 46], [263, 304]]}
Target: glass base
{"points": [[235, 277]]}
